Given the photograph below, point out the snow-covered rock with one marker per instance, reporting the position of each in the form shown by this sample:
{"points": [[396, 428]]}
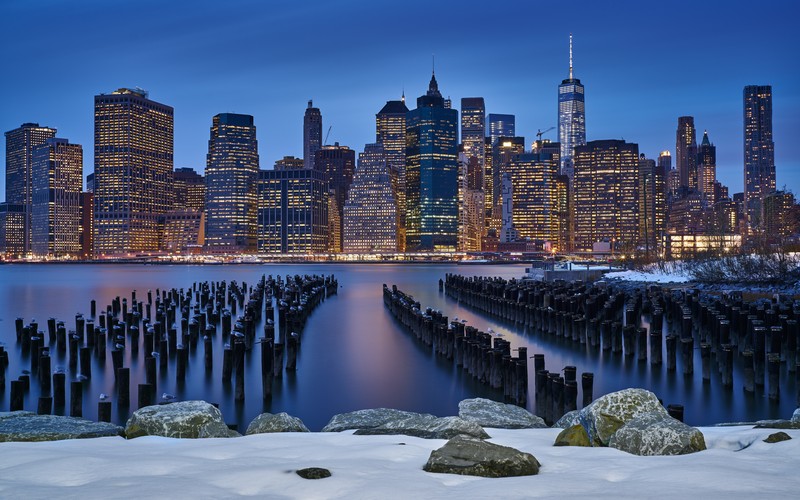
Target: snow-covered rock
{"points": [[185, 419], [279, 422], [657, 433], [365, 419], [488, 413], [428, 427], [27, 426], [606, 414], [796, 415], [474, 457], [568, 420]]}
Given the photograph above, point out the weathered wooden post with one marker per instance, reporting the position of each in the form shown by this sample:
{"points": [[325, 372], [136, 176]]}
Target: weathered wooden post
{"points": [[672, 341], [705, 358], [76, 399], [17, 395], [587, 383], [45, 405], [749, 371], [145, 395], [150, 372], [59, 389], [239, 348], [266, 368], [675, 411], [774, 372], [104, 411], [123, 387]]}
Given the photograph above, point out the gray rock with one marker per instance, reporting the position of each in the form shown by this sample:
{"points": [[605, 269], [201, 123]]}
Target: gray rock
{"points": [[313, 473], [568, 420], [365, 419], [185, 419], [796, 415], [777, 437], [573, 436], [656, 433], [27, 426], [608, 413], [777, 424], [488, 413], [280, 422], [473, 457], [428, 427]]}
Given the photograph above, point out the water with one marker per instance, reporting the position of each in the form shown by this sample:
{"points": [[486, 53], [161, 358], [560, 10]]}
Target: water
{"points": [[353, 354]]}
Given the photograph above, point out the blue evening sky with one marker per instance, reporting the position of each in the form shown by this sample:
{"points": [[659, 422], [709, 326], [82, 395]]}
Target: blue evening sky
{"points": [[643, 63]]}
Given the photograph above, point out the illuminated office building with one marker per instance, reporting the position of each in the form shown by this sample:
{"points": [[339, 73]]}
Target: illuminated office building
{"points": [[20, 144], [133, 160], [292, 211], [432, 174], [232, 185], [488, 183], [504, 151], [707, 170], [289, 163], [648, 233], [508, 232], [473, 128], [90, 183], [338, 163], [780, 215], [312, 134], [390, 131], [535, 193], [759, 150], [190, 190], [562, 207], [182, 231], [57, 172], [87, 225], [501, 126], [370, 212], [12, 229], [571, 118], [606, 195], [686, 152]]}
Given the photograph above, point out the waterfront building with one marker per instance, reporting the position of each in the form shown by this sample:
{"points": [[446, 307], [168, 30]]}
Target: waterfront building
{"points": [[87, 225], [488, 183], [648, 231], [182, 231], [190, 190], [20, 144], [686, 214], [432, 174], [780, 215], [571, 118], [686, 152], [707, 170], [759, 151], [312, 134], [535, 194], [390, 131], [292, 211], [12, 229], [606, 195], [338, 163], [133, 163], [501, 126], [508, 233], [57, 172], [370, 212]]}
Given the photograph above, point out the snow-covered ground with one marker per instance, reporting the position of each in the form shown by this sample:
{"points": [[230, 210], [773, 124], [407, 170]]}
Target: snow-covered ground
{"points": [[669, 272], [736, 465]]}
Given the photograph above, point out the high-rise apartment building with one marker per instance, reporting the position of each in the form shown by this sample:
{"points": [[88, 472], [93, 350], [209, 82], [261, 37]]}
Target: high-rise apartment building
{"points": [[432, 174], [648, 200], [535, 194], [190, 190], [292, 211], [780, 215], [473, 128], [501, 126], [390, 131], [686, 152], [20, 144], [338, 163], [707, 170], [57, 172], [571, 118], [312, 134], [232, 185], [370, 212], [133, 160], [606, 195], [759, 151]]}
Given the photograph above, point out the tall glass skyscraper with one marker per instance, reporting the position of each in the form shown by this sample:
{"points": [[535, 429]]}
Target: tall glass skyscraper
{"points": [[339, 164], [312, 134], [390, 132], [759, 150], [571, 119], [432, 174], [707, 169], [686, 152], [473, 128], [231, 184], [133, 160], [501, 126]]}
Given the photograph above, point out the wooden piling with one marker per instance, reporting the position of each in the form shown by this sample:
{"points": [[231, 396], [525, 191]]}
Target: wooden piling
{"points": [[123, 387], [76, 399], [59, 389]]}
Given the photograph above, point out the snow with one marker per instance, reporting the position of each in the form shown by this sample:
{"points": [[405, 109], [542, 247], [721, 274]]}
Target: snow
{"points": [[736, 465], [665, 272]]}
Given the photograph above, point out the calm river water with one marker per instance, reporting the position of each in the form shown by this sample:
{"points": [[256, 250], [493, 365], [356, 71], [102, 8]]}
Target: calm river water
{"points": [[353, 354]]}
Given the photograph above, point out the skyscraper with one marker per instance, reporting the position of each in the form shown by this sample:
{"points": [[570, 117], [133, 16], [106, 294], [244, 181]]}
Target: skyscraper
{"points": [[473, 128], [571, 118], [190, 190], [504, 151], [432, 174], [339, 164], [390, 131], [370, 212], [57, 171], [20, 144], [707, 170], [231, 184], [501, 126], [606, 195], [312, 134], [535, 193], [759, 150], [686, 152], [133, 160]]}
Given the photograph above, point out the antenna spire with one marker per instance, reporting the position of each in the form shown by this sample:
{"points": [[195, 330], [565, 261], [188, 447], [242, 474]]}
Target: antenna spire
{"points": [[570, 56], [433, 64]]}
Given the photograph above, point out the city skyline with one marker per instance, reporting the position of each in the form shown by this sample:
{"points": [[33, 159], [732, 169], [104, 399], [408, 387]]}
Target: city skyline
{"points": [[636, 89]]}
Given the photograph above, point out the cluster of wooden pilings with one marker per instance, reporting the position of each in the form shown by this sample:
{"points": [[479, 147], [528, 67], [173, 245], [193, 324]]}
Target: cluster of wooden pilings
{"points": [[762, 335], [170, 324], [488, 359]]}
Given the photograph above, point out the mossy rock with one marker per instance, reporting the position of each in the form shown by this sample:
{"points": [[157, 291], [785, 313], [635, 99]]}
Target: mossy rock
{"points": [[573, 436]]}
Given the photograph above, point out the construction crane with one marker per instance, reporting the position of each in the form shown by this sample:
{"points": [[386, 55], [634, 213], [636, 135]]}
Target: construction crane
{"points": [[540, 133], [325, 142]]}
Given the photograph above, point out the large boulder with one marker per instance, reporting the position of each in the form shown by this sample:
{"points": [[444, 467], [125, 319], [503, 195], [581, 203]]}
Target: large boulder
{"points": [[280, 422], [609, 413], [796, 415], [365, 419], [573, 436], [474, 457], [428, 427], [651, 434], [27, 426], [568, 420], [488, 413], [185, 419]]}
